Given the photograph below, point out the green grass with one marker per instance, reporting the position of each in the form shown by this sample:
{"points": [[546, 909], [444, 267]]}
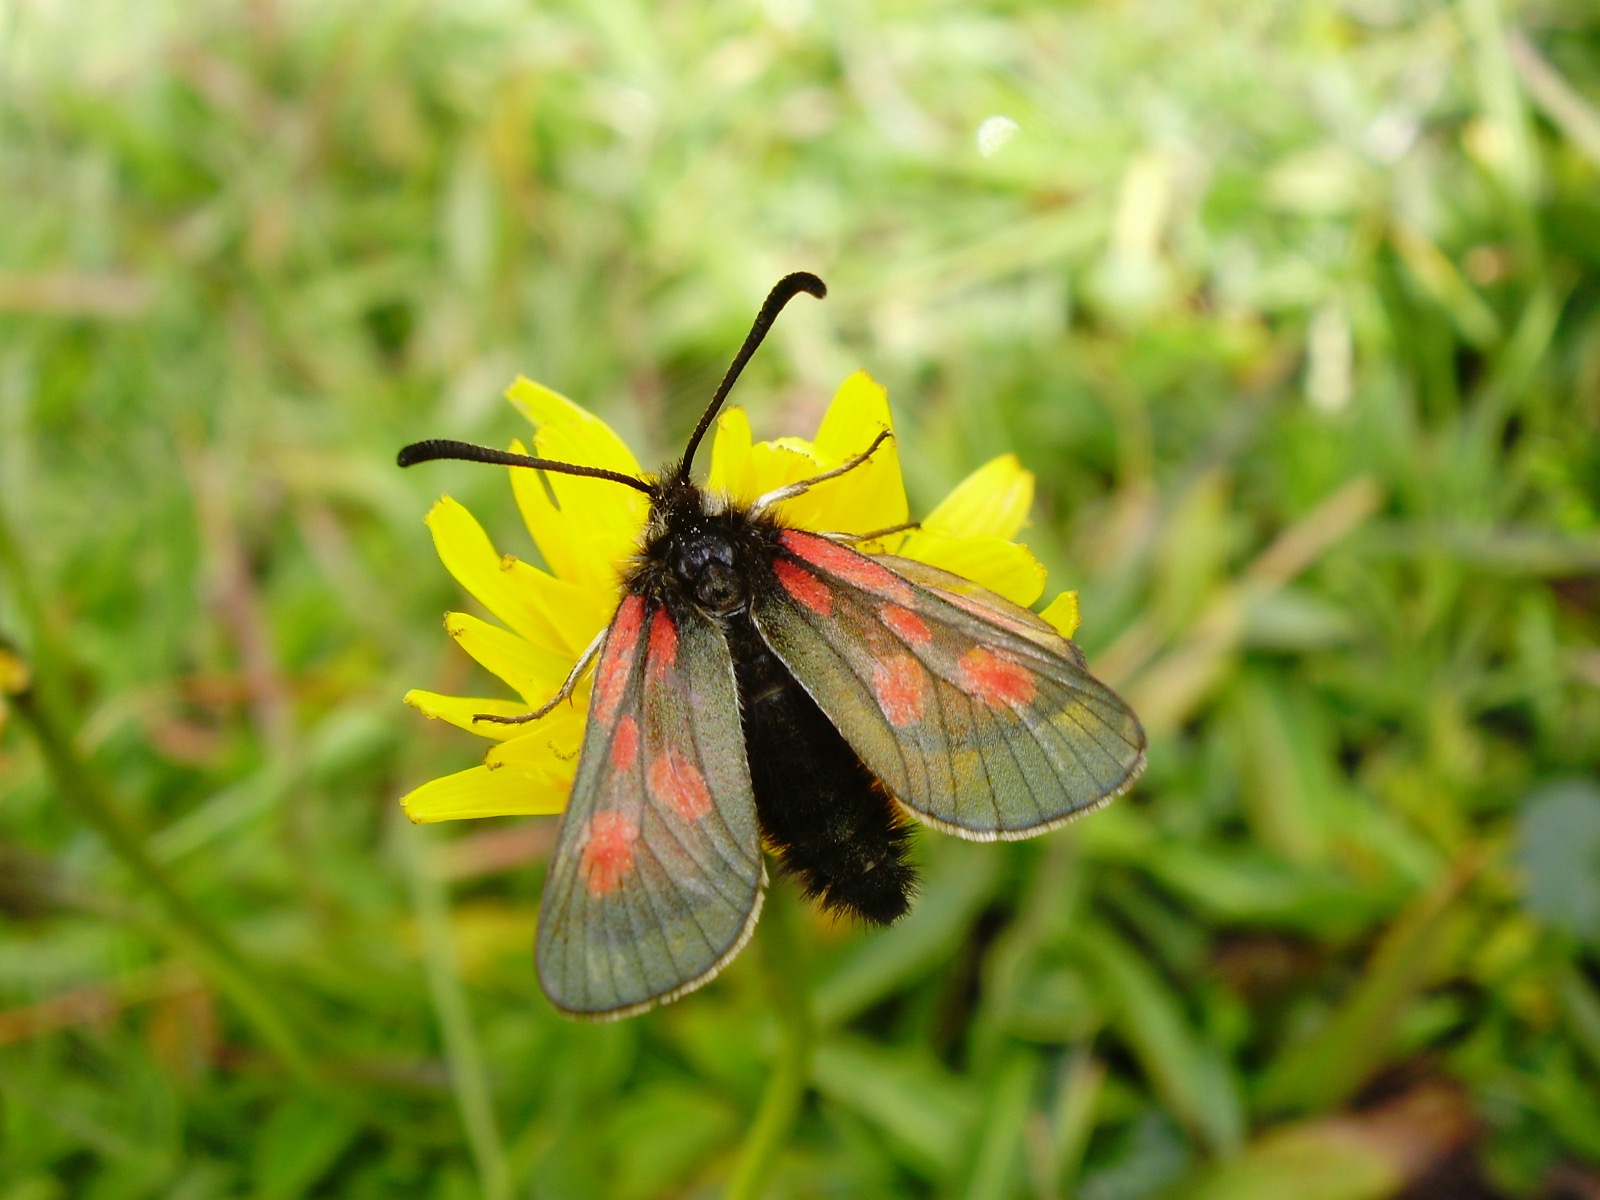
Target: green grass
{"points": [[1294, 309]]}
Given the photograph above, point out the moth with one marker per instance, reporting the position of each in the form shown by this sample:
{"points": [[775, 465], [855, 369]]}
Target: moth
{"points": [[766, 685]]}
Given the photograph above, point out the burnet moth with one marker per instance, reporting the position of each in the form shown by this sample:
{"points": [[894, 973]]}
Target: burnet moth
{"points": [[760, 684]]}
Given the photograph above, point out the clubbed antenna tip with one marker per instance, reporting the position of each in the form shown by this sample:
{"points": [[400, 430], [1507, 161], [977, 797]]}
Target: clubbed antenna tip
{"points": [[785, 290]]}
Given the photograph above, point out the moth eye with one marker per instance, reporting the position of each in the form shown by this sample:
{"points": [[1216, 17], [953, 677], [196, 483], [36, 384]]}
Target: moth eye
{"points": [[607, 851], [804, 587], [677, 783], [901, 688], [719, 587], [996, 681]]}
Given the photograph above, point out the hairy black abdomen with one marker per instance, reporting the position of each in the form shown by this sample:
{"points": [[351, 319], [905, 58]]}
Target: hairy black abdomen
{"points": [[830, 821]]}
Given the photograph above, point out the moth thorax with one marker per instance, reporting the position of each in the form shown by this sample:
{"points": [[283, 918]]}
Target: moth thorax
{"points": [[705, 566]]}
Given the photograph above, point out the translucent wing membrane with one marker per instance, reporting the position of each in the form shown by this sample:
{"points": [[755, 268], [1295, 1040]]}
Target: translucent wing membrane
{"points": [[657, 875], [975, 713]]}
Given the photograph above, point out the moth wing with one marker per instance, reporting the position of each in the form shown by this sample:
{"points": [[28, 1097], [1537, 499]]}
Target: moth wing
{"points": [[656, 880], [986, 606], [975, 713]]}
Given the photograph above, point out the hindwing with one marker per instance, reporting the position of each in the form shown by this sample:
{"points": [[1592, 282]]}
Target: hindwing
{"points": [[974, 712], [657, 875]]}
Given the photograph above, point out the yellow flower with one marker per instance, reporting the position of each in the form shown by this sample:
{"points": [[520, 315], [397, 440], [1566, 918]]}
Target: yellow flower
{"points": [[586, 529]]}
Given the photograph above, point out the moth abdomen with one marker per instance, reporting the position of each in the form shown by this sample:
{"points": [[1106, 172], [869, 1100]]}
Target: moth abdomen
{"points": [[830, 822]]}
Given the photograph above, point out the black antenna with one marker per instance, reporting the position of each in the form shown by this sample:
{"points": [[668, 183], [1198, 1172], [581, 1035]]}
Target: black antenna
{"points": [[437, 448], [785, 290]]}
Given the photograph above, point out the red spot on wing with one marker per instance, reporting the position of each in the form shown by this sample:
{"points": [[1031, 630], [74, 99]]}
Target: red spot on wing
{"points": [[607, 851], [616, 660], [846, 564], [677, 783], [804, 587], [994, 680], [625, 743], [901, 687], [663, 649], [907, 626]]}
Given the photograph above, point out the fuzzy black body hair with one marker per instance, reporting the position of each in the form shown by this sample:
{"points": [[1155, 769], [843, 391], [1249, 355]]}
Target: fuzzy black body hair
{"points": [[829, 821], [833, 825]]}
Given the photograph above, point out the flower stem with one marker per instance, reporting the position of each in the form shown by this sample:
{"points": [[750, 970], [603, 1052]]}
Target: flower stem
{"points": [[783, 963]]}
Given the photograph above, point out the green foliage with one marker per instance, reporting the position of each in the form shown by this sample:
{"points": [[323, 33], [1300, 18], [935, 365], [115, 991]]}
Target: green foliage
{"points": [[1294, 309]]}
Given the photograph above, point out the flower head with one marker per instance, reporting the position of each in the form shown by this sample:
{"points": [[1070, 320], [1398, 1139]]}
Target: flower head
{"points": [[587, 529]]}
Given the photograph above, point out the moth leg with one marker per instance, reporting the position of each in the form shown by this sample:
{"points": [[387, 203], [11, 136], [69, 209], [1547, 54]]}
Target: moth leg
{"points": [[800, 487], [570, 682], [855, 539]]}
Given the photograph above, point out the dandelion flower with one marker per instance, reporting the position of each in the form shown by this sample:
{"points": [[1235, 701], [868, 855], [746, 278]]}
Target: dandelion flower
{"points": [[587, 529]]}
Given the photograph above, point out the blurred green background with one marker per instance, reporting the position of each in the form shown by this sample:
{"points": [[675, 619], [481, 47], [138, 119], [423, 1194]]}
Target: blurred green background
{"points": [[1294, 309]]}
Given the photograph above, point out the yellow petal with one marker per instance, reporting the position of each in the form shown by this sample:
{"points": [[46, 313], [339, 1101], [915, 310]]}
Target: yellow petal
{"points": [[459, 711], [467, 554], [1008, 568], [585, 528], [772, 466], [777, 464], [1062, 612], [575, 612], [991, 502], [546, 748], [480, 792], [799, 445], [535, 674], [731, 471], [587, 434], [744, 470], [856, 414], [873, 495]]}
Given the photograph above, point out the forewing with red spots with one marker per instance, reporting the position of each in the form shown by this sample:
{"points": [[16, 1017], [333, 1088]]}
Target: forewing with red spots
{"points": [[975, 713], [657, 876]]}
